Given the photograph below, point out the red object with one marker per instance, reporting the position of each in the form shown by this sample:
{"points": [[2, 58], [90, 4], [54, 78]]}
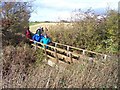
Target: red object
{"points": [[28, 34]]}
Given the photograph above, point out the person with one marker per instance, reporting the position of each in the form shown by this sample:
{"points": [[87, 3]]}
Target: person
{"points": [[46, 40], [38, 36], [28, 33], [40, 29]]}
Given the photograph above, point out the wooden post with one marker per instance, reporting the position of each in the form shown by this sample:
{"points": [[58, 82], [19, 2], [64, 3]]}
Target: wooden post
{"points": [[105, 57], [70, 54], [84, 52], [68, 50], [35, 46], [55, 44], [45, 52], [55, 50]]}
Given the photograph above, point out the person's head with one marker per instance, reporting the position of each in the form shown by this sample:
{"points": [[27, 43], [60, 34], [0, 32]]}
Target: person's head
{"points": [[38, 32], [27, 28], [41, 28]]}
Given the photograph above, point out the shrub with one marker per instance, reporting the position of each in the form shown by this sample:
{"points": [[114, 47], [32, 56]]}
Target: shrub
{"points": [[90, 32], [16, 63], [40, 57]]}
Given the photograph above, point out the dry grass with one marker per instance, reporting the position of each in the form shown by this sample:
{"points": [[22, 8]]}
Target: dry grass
{"points": [[20, 72], [82, 75]]}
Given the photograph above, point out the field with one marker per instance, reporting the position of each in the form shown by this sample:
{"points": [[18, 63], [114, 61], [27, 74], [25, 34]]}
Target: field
{"points": [[35, 26]]}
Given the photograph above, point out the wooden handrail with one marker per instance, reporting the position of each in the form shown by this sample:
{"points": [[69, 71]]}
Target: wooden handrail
{"points": [[68, 48], [58, 49], [81, 49], [59, 55]]}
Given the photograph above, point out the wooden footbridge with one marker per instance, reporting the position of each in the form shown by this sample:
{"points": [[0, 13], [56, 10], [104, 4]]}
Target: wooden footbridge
{"points": [[60, 53]]}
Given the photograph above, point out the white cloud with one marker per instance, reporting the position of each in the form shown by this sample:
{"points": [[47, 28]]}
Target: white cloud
{"points": [[78, 3], [54, 9], [50, 15]]}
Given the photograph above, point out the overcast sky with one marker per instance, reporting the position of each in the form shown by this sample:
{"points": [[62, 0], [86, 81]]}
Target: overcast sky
{"points": [[53, 10]]}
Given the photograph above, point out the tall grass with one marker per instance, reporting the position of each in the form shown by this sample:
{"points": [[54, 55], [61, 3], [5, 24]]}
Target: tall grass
{"points": [[85, 74]]}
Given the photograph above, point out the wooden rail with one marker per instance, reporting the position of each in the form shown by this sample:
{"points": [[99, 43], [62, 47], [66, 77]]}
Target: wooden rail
{"points": [[79, 49], [60, 55]]}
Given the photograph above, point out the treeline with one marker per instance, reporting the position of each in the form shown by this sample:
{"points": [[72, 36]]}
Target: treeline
{"points": [[35, 22], [90, 31]]}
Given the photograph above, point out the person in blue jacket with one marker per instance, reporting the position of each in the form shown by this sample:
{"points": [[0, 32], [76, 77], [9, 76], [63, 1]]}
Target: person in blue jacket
{"points": [[45, 40], [38, 36]]}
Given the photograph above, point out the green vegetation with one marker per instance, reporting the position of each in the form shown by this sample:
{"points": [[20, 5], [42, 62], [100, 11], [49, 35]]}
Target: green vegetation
{"points": [[40, 57], [90, 32]]}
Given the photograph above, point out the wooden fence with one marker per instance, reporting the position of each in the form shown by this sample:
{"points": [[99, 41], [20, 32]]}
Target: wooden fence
{"points": [[61, 53]]}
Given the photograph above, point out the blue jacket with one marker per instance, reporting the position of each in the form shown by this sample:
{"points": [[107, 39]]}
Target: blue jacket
{"points": [[45, 41], [37, 37]]}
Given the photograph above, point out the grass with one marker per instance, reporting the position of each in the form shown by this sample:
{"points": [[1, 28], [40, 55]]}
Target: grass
{"points": [[80, 75]]}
